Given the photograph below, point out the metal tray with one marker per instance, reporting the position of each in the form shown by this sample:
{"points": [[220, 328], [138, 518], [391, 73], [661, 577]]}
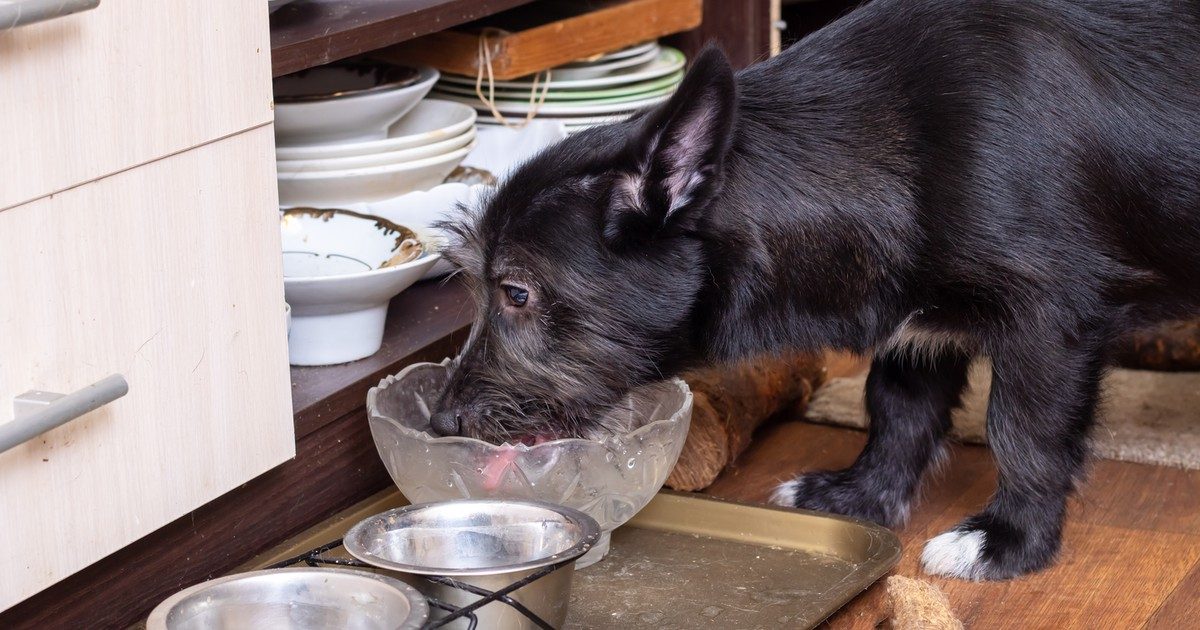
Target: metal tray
{"points": [[690, 561]]}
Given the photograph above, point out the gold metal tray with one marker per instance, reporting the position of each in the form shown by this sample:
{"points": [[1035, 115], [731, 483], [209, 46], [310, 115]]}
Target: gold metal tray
{"points": [[690, 561]]}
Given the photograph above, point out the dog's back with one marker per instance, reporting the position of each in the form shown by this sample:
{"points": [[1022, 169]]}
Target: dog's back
{"points": [[1047, 149]]}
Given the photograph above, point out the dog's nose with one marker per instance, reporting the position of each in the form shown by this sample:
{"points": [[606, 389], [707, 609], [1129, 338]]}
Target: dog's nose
{"points": [[444, 423]]}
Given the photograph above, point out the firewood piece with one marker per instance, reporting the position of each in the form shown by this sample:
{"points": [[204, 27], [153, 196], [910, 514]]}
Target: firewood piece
{"points": [[919, 605], [730, 402], [1174, 346]]}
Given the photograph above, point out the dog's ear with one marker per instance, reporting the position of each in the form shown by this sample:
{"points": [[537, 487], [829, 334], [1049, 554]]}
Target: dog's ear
{"points": [[677, 156]]}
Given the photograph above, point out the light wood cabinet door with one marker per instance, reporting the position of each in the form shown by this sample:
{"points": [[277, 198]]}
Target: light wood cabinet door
{"points": [[170, 275], [90, 94]]}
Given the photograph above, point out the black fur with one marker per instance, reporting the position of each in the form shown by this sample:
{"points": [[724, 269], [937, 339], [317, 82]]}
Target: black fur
{"points": [[935, 180]]}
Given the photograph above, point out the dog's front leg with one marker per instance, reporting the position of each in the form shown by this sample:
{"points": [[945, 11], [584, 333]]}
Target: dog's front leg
{"points": [[909, 399], [1041, 407]]}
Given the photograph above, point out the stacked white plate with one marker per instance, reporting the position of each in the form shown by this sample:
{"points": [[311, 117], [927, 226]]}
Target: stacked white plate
{"points": [[581, 94], [364, 132]]}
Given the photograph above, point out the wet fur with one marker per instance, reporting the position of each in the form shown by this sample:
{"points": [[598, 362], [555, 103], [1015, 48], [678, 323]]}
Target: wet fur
{"points": [[935, 179]]}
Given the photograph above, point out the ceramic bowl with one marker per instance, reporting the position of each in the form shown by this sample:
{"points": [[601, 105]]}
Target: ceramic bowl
{"points": [[420, 210], [379, 159], [372, 183], [338, 279], [431, 120], [609, 480], [354, 115]]}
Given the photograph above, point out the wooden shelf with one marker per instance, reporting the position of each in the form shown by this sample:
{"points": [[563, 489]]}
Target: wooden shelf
{"points": [[309, 33]]}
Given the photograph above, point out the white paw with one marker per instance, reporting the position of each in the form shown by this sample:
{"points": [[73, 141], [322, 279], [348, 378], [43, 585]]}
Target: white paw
{"points": [[785, 493], [955, 554]]}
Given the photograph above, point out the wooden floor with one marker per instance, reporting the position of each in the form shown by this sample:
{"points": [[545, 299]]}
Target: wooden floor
{"points": [[1131, 554]]}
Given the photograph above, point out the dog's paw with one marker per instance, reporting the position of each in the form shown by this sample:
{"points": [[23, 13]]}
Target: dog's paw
{"points": [[843, 492], [979, 549]]}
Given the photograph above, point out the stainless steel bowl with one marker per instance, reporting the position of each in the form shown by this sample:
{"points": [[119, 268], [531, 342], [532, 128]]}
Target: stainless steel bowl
{"points": [[485, 543], [299, 598]]}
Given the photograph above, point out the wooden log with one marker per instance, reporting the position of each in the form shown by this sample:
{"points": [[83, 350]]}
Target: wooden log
{"points": [[533, 38], [1170, 347], [730, 402]]}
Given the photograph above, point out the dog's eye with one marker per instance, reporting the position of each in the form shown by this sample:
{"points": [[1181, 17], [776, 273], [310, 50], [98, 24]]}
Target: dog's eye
{"points": [[517, 296]]}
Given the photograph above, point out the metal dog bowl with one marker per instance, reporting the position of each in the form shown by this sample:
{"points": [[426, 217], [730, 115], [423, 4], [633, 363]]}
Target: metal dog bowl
{"points": [[485, 544], [294, 598]]}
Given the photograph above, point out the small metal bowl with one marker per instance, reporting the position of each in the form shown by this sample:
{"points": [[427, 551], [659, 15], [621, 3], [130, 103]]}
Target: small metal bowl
{"points": [[488, 544], [298, 598]]}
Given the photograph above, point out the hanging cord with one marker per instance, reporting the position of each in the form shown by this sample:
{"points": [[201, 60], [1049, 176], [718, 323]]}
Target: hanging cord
{"points": [[485, 65]]}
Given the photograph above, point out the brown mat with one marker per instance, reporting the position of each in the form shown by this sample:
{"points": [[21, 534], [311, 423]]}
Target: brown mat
{"points": [[1148, 417]]}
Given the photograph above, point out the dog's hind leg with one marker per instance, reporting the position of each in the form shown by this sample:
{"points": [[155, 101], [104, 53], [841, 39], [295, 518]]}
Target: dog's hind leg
{"points": [[910, 396], [1041, 408]]}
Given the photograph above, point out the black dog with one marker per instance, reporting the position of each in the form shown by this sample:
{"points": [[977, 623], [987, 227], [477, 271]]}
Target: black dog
{"points": [[935, 180]]}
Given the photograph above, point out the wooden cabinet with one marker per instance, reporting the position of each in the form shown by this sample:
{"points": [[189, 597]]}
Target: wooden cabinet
{"points": [[90, 94], [139, 235], [168, 274]]}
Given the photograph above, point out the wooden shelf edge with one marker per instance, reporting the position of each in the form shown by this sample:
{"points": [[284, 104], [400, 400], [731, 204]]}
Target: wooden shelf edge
{"points": [[310, 33]]}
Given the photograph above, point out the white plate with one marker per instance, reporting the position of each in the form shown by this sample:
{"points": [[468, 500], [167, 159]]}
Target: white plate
{"points": [[499, 150], [669, 60], [601, 68], [378, 159], [353, 118], [654, 86], [376, 183], [489, 122], [456, 94], [561, 108], [636, 49], [430, 121]]}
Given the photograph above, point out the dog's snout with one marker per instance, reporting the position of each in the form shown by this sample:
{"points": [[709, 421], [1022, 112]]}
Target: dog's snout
{"points": [[445, 423]]}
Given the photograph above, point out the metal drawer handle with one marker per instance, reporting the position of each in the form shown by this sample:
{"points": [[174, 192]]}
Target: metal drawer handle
{"points": [[35, 413], [14, 13]]}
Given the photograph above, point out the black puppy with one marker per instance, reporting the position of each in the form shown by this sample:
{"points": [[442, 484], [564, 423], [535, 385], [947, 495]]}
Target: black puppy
{"points": [[936, 180]]}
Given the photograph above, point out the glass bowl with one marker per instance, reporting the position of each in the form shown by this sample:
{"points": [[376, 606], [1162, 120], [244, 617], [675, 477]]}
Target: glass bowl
{"points": [[609, 480]]}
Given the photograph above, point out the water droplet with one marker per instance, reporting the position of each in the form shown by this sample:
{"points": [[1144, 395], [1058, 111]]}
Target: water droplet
{"points": [[631, 462], [450, 483], [479, 470]]}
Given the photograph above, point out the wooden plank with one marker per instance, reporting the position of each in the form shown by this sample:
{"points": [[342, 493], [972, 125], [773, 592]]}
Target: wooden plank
{"points": [[170, 275], [1182, 608], [427, 322], [315, 32], [547, 34], [1138, 496], [334, 468], [742, 29], [1131, 554]]}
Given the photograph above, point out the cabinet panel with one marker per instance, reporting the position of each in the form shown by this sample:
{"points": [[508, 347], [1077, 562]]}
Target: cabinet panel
{"points": [[170, 275], [90, 94]]}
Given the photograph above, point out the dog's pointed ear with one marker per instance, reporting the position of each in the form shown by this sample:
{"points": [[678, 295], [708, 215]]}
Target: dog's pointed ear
{"points": [[678, 154]]}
